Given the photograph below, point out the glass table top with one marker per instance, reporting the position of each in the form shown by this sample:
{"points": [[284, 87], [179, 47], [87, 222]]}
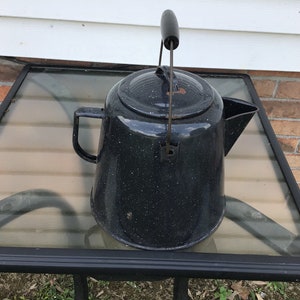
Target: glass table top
{"points": [[45, 186]]}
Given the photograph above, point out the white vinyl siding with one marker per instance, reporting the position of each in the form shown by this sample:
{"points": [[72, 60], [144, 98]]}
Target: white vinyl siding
{"points": [[229, 34]]}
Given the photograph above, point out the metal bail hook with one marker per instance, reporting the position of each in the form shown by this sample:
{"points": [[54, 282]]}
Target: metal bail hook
{"points": [[169, 130], [171, 79], [170, 39]]}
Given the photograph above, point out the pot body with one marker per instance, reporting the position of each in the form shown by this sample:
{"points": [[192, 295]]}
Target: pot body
{"points": [[151, 199]]}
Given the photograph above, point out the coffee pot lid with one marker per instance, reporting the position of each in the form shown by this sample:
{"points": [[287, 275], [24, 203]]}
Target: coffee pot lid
{"points": [[147, 92]]}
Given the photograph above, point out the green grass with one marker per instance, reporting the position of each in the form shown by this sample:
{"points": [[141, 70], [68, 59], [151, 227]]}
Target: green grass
{"points": [[222, 293]]}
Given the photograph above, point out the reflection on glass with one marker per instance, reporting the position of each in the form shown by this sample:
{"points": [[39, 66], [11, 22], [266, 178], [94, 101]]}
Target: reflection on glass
{"points": [[46, 186]]}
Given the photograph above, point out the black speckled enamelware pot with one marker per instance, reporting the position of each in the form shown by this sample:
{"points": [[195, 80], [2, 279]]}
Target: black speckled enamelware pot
{"points": [[146, 196]]}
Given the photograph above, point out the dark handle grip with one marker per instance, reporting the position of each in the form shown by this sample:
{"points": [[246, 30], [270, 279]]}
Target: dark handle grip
{"points": [[169, 29], [87, 112]]}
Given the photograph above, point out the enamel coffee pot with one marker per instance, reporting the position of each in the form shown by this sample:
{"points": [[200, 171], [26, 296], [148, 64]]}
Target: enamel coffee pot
{"points": [[164, 134]]}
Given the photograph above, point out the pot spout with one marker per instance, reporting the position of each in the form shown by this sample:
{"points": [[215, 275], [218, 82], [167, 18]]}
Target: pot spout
{"points": [[237, 114]]}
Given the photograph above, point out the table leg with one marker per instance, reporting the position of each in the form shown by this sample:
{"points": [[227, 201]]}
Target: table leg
{"points": [[180, 289], [81, 289]]}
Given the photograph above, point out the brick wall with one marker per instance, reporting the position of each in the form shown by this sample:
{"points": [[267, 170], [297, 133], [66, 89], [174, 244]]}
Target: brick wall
{"points": [[8, 73], [279, 92], [280, 95]]}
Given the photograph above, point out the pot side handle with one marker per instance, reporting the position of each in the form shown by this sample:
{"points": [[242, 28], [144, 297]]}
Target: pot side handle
{"points": [[86, 112]]}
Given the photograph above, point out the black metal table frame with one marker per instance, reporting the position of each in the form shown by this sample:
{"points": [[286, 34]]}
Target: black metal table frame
{"points": [[121, 264]]}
